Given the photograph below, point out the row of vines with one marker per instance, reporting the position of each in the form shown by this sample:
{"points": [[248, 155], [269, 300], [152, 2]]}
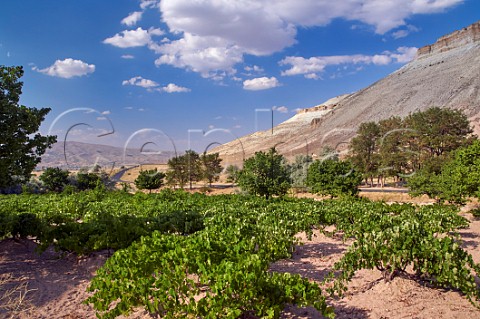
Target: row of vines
{"points": [[183, 255]]}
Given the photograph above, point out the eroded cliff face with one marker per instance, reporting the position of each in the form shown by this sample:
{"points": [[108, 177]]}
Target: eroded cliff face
{"points": [[465, 36]]}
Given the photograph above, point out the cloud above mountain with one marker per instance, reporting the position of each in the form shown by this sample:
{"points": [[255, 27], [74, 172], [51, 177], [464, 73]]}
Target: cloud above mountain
{"points": [[211, 37], [312, 67]]}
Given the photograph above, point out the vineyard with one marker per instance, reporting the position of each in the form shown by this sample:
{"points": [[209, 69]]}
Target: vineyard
{"points": [[181, 255]]}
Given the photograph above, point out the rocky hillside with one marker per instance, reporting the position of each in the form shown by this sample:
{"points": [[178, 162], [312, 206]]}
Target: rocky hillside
{"points": [[444, 74]]}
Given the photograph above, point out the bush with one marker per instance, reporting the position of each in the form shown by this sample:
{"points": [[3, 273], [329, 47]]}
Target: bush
{"points": [[265, 174], [149, 179], [54, 179], [334, 178]]}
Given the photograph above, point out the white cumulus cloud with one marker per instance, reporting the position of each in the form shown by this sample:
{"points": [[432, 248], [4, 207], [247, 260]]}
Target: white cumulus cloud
{"points": [[404, 54], [311, 67], [212, 36], [67, 68], [173, 88], [151, 85], [281, 109], [262, 83], [133, 38], [132, 18], [148, 4], [209, 56], [402, 33], [139, 81]]}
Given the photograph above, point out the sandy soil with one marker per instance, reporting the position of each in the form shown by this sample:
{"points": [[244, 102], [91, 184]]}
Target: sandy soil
{"points": [[53, 286]]}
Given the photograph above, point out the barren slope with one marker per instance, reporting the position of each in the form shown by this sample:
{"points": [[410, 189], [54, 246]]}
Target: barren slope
{"points": [[444, 74]]}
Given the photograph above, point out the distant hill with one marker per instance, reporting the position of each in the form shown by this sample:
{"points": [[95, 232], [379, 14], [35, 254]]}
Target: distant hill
{"points": [[74, 155], [443, 74]]}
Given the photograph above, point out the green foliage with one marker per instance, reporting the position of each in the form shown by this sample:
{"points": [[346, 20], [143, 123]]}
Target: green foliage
{"points": [[265, 174], [54, 179], [392, 238], [88, 180], [455, 181], [364, 149], [191, 255], [221, 271], [185, 168], [425, 182], [177, 173], [460, 177], [211, 167], [394, 156], [173, 246], [333, 178], [232, 173], [149, 179], [402, 147], [437, 131], [299, 170], [108, 220], [20, 143]]}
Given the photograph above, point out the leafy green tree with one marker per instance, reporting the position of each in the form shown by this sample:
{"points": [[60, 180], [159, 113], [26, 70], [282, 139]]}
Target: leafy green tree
{"points": [[460, 177], [299, 170], [425, 181], [437, 131], [265, 174], [194, 167], [149, 179], [88, 180], [333, 177], [21, 146], [177, 171], [393, 155], [232, 173], [185, 168], [212, 167], [55, 179], [364, 150]]}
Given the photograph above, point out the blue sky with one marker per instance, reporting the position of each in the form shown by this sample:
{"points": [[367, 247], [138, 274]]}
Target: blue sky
{"points": [[165, 71]]}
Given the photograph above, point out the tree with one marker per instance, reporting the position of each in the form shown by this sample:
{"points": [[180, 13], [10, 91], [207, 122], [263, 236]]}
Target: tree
{"points": [[392, 151], [438, 131], [21, 146], [149, 179], [177, 171], [333, 177], [436, 134], [211, 167], [299, 170], [425, 181], [86, 181], [55, 179], [364, 150], [184, 168], [460, 177], [232, 173], [265, 174]]}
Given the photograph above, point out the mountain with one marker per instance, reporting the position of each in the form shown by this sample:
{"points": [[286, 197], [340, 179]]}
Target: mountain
{"points": [[443, 74], [74, 155]]}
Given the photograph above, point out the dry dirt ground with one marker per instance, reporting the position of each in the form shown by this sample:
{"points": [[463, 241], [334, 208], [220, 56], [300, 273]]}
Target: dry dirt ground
{"points": [[53, 286]]}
